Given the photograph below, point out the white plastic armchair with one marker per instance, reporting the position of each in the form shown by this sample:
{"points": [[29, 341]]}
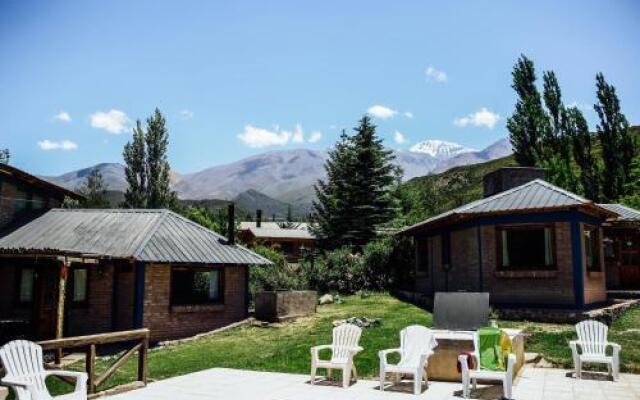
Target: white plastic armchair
{"points": [[471, 376], [416, 345], [26, 375], [591, 347], [343, 349]]}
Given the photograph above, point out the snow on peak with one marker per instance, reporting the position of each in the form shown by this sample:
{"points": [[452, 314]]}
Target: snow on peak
{"points": [[439, 148]]}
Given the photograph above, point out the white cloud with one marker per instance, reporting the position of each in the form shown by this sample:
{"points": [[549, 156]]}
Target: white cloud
{"points": [[315, 136], [435, 74], [484, 117], [112, 121], [57, 145], [399, 137], [62, 116], [381, 112], [580, 106], [261, 137], [408, 114], [186, 114]]}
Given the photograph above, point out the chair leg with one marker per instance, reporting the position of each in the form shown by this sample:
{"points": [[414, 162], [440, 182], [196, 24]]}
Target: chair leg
{"points": [[346, 376], [506, 387], [355, 372], [465, 386], [382, 376], [578, 370], [313, 374], [329, 373], [615, 373], [475, 383], [417, 383]]}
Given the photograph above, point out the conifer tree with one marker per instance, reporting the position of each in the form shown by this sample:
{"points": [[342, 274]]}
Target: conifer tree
{"points": [[528, 124], [618, 146], [581, 140], [134, 155], [5, 156], [94, 191]]}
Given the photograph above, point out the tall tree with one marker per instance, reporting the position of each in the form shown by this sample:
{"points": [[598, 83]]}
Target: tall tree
{"points": [[135, 169], [581, 143], [528, 124], [147, 169], [356, 198], [618, 147], [94, 191], [5, 156]]}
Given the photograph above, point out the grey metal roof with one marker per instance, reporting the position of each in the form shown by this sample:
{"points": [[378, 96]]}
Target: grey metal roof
{"points": [[281, 233], [144, 235], [536, 195], [624, 213]]}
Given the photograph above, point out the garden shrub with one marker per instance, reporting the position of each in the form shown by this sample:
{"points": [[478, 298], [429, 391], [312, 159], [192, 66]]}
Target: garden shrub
{"points": [[279, 276]]}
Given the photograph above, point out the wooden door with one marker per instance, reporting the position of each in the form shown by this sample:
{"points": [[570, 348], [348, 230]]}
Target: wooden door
{"points": [[629, 257]]}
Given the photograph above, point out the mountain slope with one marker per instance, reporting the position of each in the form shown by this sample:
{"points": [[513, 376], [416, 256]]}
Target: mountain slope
{"points": [[439, 149]]}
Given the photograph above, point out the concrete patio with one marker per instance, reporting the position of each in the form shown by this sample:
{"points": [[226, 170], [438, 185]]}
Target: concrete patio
{"points": [[532, 384]]}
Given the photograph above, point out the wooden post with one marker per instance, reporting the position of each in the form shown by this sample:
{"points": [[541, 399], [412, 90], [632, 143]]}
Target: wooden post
{"points": [[142, 360], [62, 291], [90, 367]]}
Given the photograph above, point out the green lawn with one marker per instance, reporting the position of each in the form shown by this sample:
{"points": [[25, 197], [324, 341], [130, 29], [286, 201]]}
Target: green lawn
{"points": [[286, 348]]}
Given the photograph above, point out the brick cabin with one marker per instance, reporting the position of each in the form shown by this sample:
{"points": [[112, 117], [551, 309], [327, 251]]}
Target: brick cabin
{"points": [[119, 270], [292, 238], [24, 196], [527, 243]]}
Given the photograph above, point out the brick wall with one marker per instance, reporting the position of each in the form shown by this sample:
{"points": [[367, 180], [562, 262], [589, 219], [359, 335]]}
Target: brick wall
{"points": [[167, 322], [95, 315], [465, 269]]}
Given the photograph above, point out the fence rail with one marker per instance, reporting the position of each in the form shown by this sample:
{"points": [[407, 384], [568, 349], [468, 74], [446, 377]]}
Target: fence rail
{"points": [[89, 344]]}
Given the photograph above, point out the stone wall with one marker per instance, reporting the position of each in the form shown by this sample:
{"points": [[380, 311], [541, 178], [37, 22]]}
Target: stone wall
{"points": [[168, 321], [276, 306]]}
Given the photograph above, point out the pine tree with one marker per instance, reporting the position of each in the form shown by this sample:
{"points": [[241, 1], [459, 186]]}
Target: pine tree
{"points": [[581, 140], [94, 191], [356, 198], [528, 125], [289, 213], [5, 156], [618, 147], [147, 169], [134, 155]]}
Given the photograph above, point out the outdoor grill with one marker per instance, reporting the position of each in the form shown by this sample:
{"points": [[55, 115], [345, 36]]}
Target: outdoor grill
{"points": [[462, 311]]}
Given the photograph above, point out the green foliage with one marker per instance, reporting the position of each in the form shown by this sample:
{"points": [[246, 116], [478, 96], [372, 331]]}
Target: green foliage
{"points": [[357, 196], [583, 154], [147, 169], [618, 145], [94, 191], [632, 188], [279, 276], [5, 156], [214, 220]]}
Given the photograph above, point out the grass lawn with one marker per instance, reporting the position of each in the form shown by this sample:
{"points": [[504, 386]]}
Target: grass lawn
{"points": [[286, 348]]}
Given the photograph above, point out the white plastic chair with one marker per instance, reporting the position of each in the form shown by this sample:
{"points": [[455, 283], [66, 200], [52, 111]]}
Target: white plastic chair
{"points": [[343, 349], [416, 345], [472, 375], [591, 347], [26, 375]]}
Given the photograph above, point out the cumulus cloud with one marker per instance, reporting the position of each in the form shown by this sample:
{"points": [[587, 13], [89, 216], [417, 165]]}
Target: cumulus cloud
{"points": [[436, 75], [257, 137], [484, 117], [315, 136], [112, 121], [399, 137], [381, 112], [408, 114], [186, 114], [57, 145], [62, 116]]}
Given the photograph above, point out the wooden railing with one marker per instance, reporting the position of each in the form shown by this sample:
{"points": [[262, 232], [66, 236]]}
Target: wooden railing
{"points": [[140, 338]]}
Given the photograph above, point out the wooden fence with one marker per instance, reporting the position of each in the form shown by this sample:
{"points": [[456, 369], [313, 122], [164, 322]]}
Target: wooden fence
{"points": [[140, 340]]}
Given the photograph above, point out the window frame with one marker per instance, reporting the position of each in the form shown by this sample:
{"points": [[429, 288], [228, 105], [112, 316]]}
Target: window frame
{"points": [[598, 249], [526, 227], [194, 269], [72, 285], [18, 294]]}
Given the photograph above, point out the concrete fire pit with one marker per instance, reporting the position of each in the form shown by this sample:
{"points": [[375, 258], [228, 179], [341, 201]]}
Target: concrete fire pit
{"points": [[278, 306]]}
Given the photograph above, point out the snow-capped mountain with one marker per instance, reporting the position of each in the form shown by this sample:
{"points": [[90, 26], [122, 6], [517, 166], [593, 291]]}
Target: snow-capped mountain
{"points": [[439, 149]]}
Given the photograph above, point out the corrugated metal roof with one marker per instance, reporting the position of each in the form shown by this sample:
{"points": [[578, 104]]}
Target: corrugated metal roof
{"points": [[535, 195], [624, 213], [246, 225], [281, 233], [144, 235]]}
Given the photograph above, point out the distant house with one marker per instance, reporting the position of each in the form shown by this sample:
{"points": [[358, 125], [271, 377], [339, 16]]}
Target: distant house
{"points": [[292, 238], [622, 247], [527, 242], [24, 197], [76, 272]]}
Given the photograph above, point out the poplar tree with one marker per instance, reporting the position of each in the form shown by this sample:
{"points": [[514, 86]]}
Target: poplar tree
{"points": [[5, 156], [618, 146], [581, 140], [528, 124], [135, 170]]}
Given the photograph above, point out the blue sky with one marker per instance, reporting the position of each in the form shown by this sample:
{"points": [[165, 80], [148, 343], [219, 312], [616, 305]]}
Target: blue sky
{"points": [[239, 78]]}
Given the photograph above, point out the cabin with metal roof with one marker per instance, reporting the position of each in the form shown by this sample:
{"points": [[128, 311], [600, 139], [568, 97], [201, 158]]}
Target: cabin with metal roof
{"points": [[526, 243], [622, 248], [82, 271]]}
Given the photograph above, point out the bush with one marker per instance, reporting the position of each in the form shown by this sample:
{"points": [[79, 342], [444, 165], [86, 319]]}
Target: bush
{"points": [[279, 276]]}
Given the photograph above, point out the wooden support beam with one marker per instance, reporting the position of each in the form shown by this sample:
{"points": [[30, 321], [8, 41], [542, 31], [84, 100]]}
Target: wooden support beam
{"points": [[143, 368], [62, 292], [90, 367], [119, 362]]}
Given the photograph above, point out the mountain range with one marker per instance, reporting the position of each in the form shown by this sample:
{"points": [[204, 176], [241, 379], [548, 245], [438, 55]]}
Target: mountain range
{"points": [[287, 176]]}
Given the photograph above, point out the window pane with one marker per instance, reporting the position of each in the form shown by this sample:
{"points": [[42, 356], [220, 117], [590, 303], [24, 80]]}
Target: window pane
{"points": [[21, 201], [26, 285], [79, 284], [214, 288], [195, 287], [526, 248]]}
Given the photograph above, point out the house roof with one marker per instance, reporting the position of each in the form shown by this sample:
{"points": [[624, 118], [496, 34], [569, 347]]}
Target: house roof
{"points": [[282, 233], [625, 214], [536, 195], [143, 235], [246, 225], [8, 170]]}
